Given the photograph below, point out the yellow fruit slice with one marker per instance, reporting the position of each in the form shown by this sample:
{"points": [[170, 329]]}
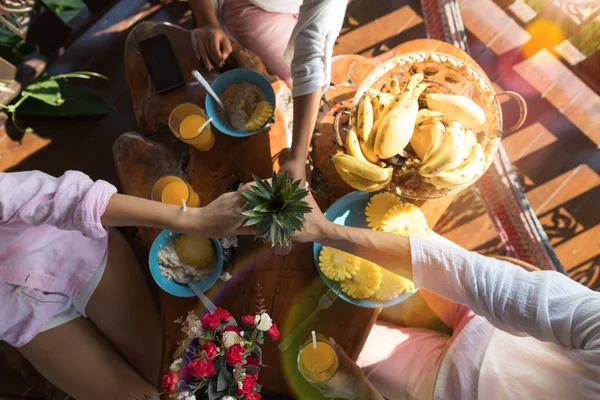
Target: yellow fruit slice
{"points": [[195, 251], [405, 219], [392, 286], [261, 114], [365, 283], [338, 265], [378, 207]]}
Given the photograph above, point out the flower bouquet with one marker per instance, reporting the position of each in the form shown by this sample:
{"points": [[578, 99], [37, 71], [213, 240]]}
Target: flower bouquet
{"points": [[222, 360]]}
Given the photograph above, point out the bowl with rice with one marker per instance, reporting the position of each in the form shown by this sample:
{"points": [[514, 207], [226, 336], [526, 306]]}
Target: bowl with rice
{"points": [[176, 255]]}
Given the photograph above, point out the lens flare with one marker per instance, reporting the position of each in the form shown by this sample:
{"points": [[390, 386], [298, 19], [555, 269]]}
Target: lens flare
{"points": [[545, 33]]}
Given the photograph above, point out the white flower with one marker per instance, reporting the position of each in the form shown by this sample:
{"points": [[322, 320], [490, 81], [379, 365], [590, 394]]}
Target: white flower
{"points": [[263, 322], [176, 365], [185, 396], [228, 398], [229, 242], [230, 338], [225, 276]]}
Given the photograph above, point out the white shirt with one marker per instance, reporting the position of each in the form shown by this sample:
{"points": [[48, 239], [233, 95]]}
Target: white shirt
{"points": [[537, 337]]}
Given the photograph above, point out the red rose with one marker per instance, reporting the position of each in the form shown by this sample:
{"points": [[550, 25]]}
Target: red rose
{"points": [[210, 348], [223, 314], [274, 332], [233, 328], [210, 321], [253, 360], [247, 385], [248, 320], [252, 396], [235, 354], [169, 382], [201, 368]]}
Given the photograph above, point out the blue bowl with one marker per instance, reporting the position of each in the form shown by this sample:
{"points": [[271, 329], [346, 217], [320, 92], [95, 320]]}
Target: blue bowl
{"points": [[223, 82], [171, 286], [350, 211]]}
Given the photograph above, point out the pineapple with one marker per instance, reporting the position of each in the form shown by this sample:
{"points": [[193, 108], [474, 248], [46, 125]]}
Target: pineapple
{"points": [[276, 209], [195, 251], [338, 265], [378, 207], [405, 219], [392, 285], [365, 282], [260, 116]]}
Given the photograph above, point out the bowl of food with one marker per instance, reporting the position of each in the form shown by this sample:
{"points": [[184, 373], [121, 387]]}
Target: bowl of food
{"points": [[175, 256], [249, 101], [423, 125], [359, 281]]}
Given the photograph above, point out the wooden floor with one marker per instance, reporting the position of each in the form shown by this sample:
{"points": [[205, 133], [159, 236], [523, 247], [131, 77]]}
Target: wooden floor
{"points": [[555, 154]]}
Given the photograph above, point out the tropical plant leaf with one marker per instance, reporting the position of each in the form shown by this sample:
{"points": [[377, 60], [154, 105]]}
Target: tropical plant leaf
{"points": [[47, 91]]}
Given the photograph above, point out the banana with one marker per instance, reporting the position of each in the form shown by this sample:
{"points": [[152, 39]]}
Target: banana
{"points": [[361, 168], [360, 183], [426, 116], [447, 156], [393, 86], [421, 140], [394, 133], [364, 121], [457, 108], [380, 102], [353, 145], [471, 140], [436, 132], [407, 93], [368, 152], [465, 173]]}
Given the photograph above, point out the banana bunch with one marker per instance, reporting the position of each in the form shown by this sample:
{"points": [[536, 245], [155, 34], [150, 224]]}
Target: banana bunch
{"points": [[362, 175], [450, 154]]}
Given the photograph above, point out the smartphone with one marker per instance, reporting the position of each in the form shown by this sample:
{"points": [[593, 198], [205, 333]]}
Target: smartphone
{"points": [[161, 62]]}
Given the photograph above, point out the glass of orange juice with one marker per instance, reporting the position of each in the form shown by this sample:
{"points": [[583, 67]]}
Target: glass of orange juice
{"points": [[174, 190], [185, 122], [317, 361]]}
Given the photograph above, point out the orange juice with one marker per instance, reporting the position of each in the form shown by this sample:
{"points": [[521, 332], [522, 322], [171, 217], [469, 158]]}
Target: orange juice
{"points": [[185, 122], [174, 190], [317, 364]]}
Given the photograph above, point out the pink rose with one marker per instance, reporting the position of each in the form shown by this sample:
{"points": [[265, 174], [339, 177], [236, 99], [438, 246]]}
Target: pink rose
{"points": [[252, 360], [169, 382], [274, 332], [210, 321], [252, 396], [201, 368], [248, 320], [223, 314], [210, 348], [233, 328], [235, 354], [247, 385]]}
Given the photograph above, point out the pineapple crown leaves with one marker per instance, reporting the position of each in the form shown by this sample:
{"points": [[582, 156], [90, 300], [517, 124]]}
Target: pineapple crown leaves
{"points": [[276, 209]]}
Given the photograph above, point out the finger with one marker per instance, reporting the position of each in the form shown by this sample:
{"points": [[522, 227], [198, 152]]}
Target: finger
{"points": [[195, 45], [215, 50], [246, 186], [225, 48], [206, 61]]}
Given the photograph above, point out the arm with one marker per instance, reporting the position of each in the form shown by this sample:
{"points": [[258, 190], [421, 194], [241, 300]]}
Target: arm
{"points": [[204, 12], [546, 304]]}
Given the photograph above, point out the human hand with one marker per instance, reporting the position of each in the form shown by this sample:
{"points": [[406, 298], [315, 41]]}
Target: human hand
{"points": [[349, 381], [295, 168], [315, 223], [221, 218], [211, 45]]}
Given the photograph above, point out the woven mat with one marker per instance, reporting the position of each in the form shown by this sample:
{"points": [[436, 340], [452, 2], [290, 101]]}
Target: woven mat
{"points": [[499, 189]]}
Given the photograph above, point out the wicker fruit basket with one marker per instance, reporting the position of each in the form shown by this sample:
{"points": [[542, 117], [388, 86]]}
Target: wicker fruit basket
{"points": [[444, 74]]}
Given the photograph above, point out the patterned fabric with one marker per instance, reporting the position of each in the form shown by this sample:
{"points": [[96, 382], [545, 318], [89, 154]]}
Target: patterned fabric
{"points": [[499, 189]]}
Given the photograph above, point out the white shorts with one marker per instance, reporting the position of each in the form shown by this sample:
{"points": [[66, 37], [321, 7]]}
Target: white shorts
{"points": [[75, 306]]}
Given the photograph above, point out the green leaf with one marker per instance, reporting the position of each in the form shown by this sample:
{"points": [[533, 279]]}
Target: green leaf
{"points": [[253, 214], [47, 91], [253, 221], [219, 364], [258, 351], [224, 380], [212, 389], [251, 197], [265, 189], [252, 369], [80, 75], [78, 102]]}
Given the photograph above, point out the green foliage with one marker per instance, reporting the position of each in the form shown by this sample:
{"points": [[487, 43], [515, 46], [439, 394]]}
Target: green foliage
{"points": [[587, 39]]}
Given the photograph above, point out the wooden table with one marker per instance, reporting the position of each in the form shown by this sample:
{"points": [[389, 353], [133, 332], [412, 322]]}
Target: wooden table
{"points": [[290, 284]]}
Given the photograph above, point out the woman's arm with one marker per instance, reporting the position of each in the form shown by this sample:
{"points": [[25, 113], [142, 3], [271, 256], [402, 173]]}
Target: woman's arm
{"points": [[546, 304], [75, 202], [204, 13], [209, 41]]}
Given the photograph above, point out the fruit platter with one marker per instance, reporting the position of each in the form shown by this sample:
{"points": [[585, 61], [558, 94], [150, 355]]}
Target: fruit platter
{"points": [[361, 282], [422, 125]]}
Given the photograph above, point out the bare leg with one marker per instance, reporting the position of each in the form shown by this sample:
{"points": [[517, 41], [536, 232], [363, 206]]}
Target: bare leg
{"points": [[79, 360], [122, 309]]}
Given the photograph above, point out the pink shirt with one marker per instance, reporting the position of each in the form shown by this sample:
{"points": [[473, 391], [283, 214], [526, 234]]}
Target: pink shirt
{"points": [[51, 243]]}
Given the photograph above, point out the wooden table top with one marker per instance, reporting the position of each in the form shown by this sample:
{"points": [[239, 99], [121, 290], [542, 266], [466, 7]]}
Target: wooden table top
{"points": [[290, 284]]}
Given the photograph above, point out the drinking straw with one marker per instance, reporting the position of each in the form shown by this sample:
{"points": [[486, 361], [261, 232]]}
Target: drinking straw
{"points": [[184, 205], [314, 336], [204, 124]]}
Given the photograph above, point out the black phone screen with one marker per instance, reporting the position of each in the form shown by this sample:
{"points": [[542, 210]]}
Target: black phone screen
{"points": [[161, 63]]}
